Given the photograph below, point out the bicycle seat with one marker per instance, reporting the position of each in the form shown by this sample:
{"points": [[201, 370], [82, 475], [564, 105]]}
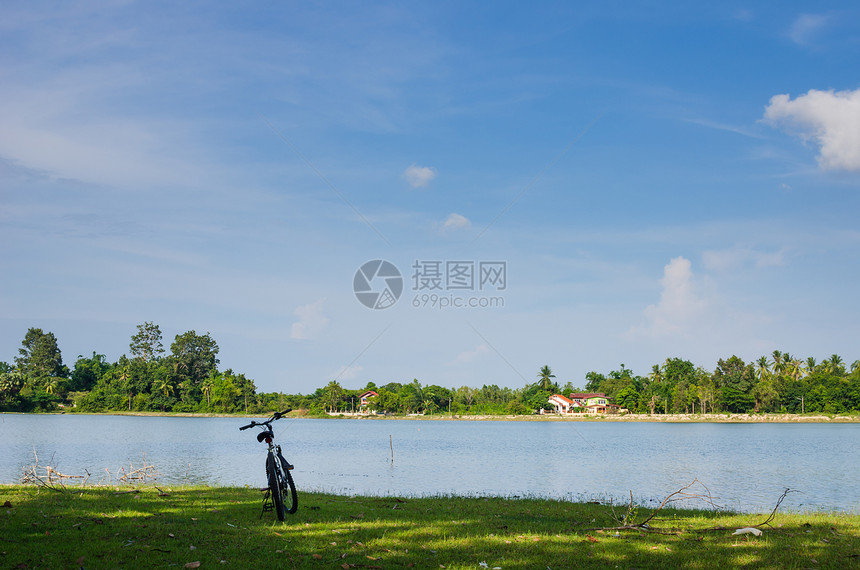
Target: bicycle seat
{"points": [[264, 434]]}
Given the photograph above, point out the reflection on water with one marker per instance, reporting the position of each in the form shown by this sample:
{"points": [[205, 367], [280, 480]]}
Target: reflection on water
{"points": [[745, 466]]}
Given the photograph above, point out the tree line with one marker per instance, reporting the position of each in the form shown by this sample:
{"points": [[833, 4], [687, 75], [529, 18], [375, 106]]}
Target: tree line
{"points": [[187, 379]]}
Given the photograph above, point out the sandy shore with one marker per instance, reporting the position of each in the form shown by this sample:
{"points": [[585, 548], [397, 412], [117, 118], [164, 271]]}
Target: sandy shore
{"points": [[668, 418]]}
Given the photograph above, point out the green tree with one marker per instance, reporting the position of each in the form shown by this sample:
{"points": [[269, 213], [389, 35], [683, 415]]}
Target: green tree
{"points": [[594, 381], [618, 380], [835, 365], [39, 356], [678, 379], [765, 394], [464, 397], [735, 380], [387, 402], [11, 383], [437, 398], [412, 396], [778, 363], [762, 368], [247, 389], [331, 395], [628, 398], [146, 344], [225, 394], [194, 356], [545, 379], [538, 399], [206, 387], [88, 371]]}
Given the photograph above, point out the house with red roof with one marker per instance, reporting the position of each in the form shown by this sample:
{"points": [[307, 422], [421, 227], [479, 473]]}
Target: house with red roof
{"points": [[562, 405], [589, 402], [364, 399]]}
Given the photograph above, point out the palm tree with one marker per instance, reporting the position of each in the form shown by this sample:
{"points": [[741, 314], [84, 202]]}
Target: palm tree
{"points": [[206, 387], [10, 384], [51, 384], [763, 367], [164, 386], [778, 366], [835, 364], [5, 386], [332, 394], [123, 378], [810, 365], [795, 368], [545, 377]]}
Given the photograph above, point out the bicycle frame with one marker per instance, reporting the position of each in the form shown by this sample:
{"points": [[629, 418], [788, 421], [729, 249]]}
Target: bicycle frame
{"points": [[282, 490]]}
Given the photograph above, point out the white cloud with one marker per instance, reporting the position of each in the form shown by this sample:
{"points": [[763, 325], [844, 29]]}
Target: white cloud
{"points": [[311, 321], [831, 119], [419, 176], [732, 258], [738, 130], [806, 27], [679, 304], [471, 355], [456, 221]]}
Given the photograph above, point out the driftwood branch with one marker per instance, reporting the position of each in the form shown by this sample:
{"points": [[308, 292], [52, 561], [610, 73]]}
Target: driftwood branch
{"points": [[49, 477], [778, 503], [685, 493], [52, 479], [627, 520]]}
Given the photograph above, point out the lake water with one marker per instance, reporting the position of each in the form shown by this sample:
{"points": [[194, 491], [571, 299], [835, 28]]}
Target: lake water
{"points": [[745, 466]]}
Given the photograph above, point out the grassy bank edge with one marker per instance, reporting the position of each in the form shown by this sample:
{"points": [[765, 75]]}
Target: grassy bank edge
{"points": [[161, 526], [658, 418]]}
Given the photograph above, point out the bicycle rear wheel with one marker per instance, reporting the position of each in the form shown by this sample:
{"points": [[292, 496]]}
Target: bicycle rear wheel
{"points": [[289, 498], [275, 479]]}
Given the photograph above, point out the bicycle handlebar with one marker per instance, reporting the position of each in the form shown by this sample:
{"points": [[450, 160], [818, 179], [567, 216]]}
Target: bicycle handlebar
{"points": [[276, 416], [279, 415]]}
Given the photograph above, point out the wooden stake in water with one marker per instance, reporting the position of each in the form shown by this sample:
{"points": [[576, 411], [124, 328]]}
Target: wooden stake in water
{"points": [[391, 445]]}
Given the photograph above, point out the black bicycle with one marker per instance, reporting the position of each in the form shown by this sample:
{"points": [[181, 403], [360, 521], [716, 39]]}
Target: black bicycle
{"points": [[281, 494]]}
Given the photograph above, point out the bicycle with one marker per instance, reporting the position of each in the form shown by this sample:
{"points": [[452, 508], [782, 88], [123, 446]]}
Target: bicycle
{"points": [[282, 489]]}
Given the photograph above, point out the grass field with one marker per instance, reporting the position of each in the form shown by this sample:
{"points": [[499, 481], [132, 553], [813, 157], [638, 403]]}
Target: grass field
{"points": [[190, 527]]}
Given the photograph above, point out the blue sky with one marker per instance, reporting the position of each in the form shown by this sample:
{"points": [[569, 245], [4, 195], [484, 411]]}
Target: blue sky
{"points": [[660, 179]]}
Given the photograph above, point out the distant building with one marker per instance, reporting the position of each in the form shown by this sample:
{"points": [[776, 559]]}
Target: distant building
{"points": [[589, 402], [562, 405], [364, 398], [581, 399]]}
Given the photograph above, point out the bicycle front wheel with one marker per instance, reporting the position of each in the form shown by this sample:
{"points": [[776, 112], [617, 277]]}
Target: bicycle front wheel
{"points": [[275, 479], [289, 498]]}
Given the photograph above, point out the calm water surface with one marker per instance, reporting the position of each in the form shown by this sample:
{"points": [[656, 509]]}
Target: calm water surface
{"points": [[745, 466]]}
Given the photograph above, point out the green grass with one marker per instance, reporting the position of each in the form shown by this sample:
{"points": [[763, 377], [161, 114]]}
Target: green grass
{"points": [[96, 527]]}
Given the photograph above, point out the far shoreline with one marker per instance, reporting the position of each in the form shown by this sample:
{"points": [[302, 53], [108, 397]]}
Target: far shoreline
{"points": [[551, 417]]}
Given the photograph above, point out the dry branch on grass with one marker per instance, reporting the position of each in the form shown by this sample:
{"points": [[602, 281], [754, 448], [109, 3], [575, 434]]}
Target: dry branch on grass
{"points": [[686, 493], [137, 474], [49, 477], [778, 503]]}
